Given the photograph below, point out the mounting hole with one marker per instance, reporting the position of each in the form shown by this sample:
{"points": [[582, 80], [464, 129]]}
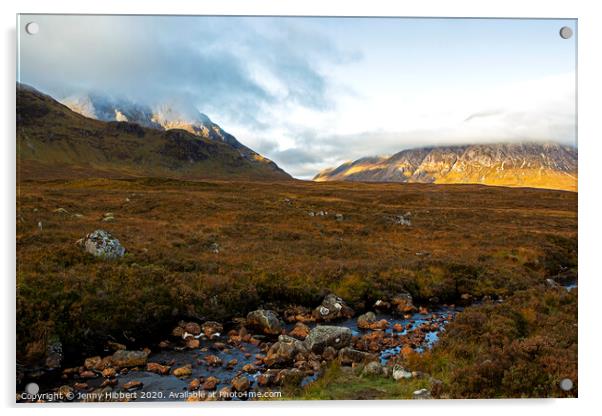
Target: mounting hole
{"points": [[566, 32], [32, 28], [566, 384], [32, 388]]}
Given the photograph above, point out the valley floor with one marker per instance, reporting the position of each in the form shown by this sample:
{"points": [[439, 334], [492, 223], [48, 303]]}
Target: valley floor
{"points": [[217, 250]]}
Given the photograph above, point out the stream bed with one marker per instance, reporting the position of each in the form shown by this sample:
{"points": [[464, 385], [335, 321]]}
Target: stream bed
{"points": [[225, 357], [156, 387]]}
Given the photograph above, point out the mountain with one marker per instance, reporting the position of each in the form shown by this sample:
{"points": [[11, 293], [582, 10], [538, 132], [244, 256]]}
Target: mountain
{"points": [[163, 116], [537, 165], [55, 142]]}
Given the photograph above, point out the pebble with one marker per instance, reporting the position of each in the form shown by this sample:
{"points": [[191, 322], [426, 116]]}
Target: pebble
{"points": [[210, 383], [195, 384], [183, 372], [131, 385]]}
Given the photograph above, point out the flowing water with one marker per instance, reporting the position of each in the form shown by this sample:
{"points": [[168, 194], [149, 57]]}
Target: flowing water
{"points": [[169, 387]]}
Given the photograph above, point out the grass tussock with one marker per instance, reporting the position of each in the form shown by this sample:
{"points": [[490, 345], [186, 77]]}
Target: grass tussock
{"points": [[523, 347], [345, 383]]}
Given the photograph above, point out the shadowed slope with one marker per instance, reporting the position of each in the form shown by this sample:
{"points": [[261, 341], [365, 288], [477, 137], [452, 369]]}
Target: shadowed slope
{"points": [[55, 142]]}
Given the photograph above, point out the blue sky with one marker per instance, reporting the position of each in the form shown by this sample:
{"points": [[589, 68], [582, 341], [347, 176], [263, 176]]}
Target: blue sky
{"points": [[310, 93]]}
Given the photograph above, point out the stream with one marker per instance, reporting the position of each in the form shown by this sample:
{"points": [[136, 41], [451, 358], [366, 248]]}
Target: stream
{"points": [[156, 387]]}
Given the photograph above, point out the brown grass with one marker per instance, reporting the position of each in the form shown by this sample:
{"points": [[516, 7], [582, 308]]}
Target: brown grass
{"points": [[479, 240]]}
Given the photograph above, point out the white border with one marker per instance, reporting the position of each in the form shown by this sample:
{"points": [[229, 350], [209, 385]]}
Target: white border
{"points": [[590, 158]]}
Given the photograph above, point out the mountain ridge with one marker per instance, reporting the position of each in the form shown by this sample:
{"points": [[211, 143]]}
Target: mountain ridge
{"points": [[163, 117], [540, 165], [54, 142]]}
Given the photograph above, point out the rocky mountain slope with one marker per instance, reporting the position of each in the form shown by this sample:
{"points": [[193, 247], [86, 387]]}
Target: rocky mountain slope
{"points": [[538, 165], [56, 142], [164, 117]]}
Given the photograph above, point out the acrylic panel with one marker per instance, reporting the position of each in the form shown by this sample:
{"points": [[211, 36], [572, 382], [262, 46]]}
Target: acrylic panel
{"points": [[279, 208]]}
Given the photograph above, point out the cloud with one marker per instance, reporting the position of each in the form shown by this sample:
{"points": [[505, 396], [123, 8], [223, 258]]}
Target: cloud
{"points": [[304, 143], [309, 93], [483, 114], [296, 156], [223, 67]]}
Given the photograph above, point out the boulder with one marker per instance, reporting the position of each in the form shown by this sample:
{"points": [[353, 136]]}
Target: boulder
{"points": [[92, 363], [54, 353], [178, 332], [368, 321], [182, 372], [241, 383], [109, 372], [66, 393], [373, 368], [70, 371], [249, 368], [329, 354], [402, 219], [265, 321], [402, 303], [101, 243], [332, 307], [300, 331], [87, 374], [348, 356], [131, 385], [115, 346], [192, 343], [382, 305], [309, 366], [210, 383], [219, 346], [194, 384], [289, 377], [125, 358], [421, 394], [400, 373], [225, 393], [157, 368], [109, 383], [192, 328], [298, 314], [268, 378], [284, 351], [364, 321], [211, 328], [323, 336], [213, 361]]}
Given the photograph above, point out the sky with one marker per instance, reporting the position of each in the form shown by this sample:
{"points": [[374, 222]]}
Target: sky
{"points": [[312, 93]]}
